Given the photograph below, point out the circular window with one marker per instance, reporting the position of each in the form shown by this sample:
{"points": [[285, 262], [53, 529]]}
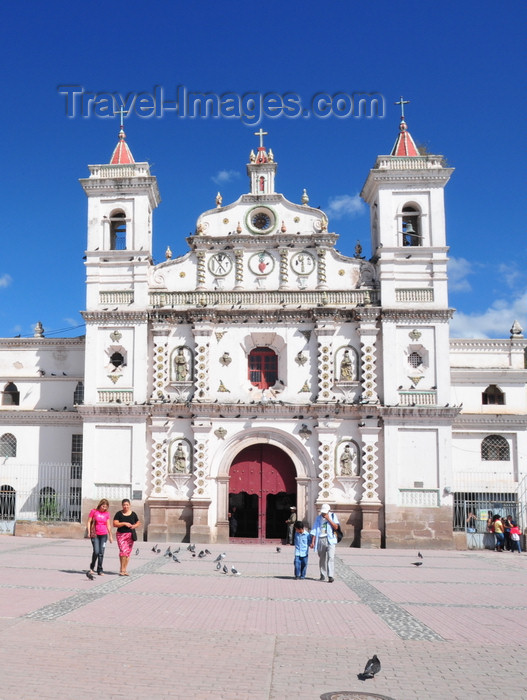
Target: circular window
{"points": [[260, 220]]}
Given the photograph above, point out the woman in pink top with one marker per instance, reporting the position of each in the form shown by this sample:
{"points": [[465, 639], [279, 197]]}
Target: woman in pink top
{"points": [[99, 531]]}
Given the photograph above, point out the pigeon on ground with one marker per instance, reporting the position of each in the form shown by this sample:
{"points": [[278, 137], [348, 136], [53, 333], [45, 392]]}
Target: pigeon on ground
{"points": [[137, 551], [177, 551], [218, 566], [279, 549], [235, 571], [220, 557], [201, 554], [372, 667], [90, 575], [156, 549], [174, 557], [419, 555], [168, 553], [225, 569], [207, 551], [191, 548], [417, 563]]}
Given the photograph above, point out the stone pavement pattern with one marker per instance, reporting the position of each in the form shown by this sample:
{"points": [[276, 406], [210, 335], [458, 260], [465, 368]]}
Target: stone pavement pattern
{"points": [[454, 628]]}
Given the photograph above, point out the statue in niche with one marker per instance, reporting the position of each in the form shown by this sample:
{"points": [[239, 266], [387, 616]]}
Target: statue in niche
{"points": [[367, 274], [346, 367], [346, 462], [179, 460], [180, 366]]}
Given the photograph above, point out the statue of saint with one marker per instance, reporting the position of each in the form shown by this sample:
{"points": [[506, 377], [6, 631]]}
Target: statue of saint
{"points": [[179, 460], [346, 462], [181, 366], [346, 367]]}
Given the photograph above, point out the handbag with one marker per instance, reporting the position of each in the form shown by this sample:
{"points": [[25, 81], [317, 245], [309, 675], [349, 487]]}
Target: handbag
{"points": [[515, 537], [134, 535], [338, 533], [93, 533]]}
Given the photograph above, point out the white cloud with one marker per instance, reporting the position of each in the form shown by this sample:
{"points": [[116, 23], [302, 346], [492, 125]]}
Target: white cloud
{"points": [[5, 280], [495, 322], [510, 274], [345, 205], [224, 176], [458, 271]]}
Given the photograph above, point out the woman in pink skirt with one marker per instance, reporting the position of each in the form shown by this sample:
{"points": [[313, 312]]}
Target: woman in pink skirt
{"points": [[126, 521]]}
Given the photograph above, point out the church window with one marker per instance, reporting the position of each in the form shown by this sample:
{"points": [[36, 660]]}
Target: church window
{"points": [[78, 394], [10, 395], [7, 445], [493, 395], [495, 448], [76, 456], [411, 226], [415, 360], [7, 502], [118, 231], [117, 360], [263, 367]]}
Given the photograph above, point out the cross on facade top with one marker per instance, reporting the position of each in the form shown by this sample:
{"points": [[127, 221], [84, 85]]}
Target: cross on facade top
{"points": [[402, 103], [122, 111], [261, 134]]}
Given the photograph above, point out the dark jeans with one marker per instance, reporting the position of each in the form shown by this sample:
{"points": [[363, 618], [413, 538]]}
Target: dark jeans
{"points": [[99, 544], [300, 566]]}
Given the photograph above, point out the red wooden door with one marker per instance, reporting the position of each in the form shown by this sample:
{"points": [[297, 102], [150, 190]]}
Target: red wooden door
{"points": [[262, 489]]}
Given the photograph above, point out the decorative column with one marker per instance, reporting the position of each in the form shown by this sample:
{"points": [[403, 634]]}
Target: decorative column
{"points": [[200, 272], [238, 268], [368, 335], [201, 497], [222, 505], [284, 268], [321, 269], [324, 363], [160, 367], [326, 448], [370, 502], [201, 353]]}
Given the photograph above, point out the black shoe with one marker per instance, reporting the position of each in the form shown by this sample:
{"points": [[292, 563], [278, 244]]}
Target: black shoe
{"points": [[330, 579], [322, 577]]}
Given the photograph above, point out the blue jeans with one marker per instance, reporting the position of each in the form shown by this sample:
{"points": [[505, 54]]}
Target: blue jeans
{"points": [[500, 541], [98, 543], [300, 566]]}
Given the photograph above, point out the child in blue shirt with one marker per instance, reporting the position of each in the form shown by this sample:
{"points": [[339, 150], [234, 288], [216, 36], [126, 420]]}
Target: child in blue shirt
{"points": [[302, 543]]}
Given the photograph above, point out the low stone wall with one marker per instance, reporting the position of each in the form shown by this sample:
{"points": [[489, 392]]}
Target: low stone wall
{"points": [[426, 528], [37, 528]]}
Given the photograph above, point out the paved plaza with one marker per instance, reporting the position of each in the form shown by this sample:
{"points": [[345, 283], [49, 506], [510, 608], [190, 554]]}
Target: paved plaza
{"points": [[453, 628]]}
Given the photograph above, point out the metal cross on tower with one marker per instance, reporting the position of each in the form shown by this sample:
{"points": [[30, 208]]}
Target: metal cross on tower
{"points": [[402, 103], [261, 134]]}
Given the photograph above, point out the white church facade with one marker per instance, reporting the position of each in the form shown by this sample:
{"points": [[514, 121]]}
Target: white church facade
{"points": [[264, 369]]}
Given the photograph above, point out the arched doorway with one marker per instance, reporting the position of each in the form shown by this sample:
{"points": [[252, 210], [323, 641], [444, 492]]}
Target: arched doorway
{"points": [[262, 488], [7, 509]]}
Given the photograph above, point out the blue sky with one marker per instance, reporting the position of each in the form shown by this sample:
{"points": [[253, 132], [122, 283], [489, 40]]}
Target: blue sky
{"points": [[461, 65]]}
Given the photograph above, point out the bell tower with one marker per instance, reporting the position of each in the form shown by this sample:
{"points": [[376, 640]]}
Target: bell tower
{"points": [[122, 196]]}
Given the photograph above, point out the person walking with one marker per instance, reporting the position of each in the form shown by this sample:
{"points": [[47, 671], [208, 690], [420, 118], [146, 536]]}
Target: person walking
{"points": [[324, 540], [290, 522], [99, 532], [126, 522], [302, 542]]}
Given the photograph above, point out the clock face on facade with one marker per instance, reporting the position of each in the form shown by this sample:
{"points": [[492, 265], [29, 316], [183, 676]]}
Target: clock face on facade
{"points": [[303, 263], [261, 220], [220, 264], [261, 263]]}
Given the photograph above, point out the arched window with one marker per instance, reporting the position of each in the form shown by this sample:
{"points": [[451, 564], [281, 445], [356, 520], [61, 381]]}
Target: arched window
{"points": [[263, 367], [493, 395], [10, 395], [494, 448], [118, 231], [48, 508], [7, 502], [78, 394], [7, 445], [411, 226]]}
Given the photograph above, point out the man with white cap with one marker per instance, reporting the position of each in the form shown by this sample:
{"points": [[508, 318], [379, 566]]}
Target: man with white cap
{"points": [[324, 541]]}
